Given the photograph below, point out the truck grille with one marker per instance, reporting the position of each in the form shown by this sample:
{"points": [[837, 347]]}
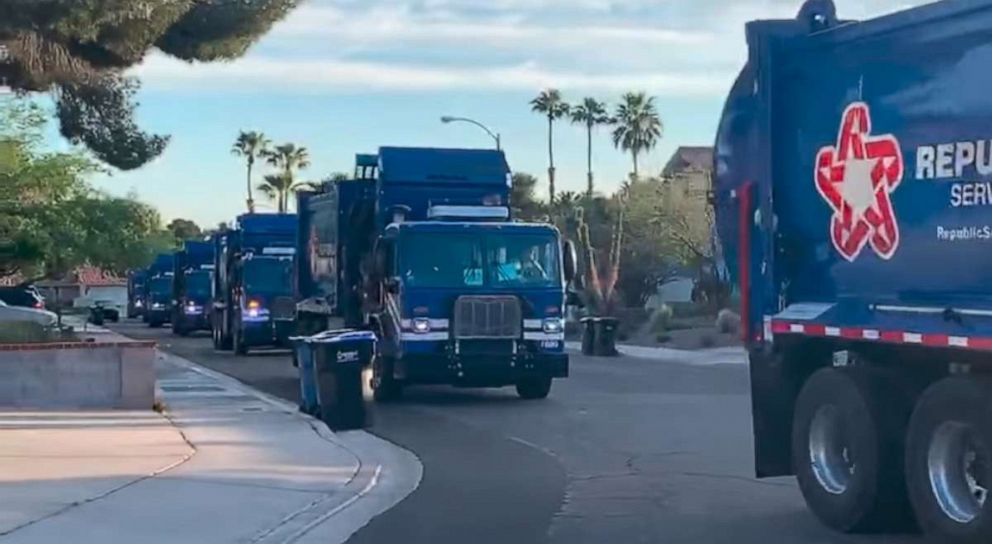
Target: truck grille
{"points": [[487, 317], [283, 308]]}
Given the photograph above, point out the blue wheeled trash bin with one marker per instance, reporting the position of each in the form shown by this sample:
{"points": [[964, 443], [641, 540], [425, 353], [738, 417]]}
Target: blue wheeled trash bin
{"points": [[308, 380], [340, 359]]}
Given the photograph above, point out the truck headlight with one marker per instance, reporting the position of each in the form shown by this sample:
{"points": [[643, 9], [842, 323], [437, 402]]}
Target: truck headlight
{"points": [[421, 325], [255, 309], [158, 306], [553, 325], [138, 303]]}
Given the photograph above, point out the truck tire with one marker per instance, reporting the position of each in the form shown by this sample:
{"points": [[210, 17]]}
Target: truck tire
{"points": [[240, 346], [847, 447], [534, 388], [385, 387], [949, 460]]}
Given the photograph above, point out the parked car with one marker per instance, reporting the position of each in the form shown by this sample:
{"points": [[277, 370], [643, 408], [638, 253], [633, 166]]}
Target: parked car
{"points": [[102, 310], [10, 313], [26, 296]]}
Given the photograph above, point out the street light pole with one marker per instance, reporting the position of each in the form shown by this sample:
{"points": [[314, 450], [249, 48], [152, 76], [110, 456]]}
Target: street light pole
{"points": [[495, 136]]}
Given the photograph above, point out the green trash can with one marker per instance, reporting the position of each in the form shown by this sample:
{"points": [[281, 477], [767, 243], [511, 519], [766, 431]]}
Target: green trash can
{"points": [[340, 360]]}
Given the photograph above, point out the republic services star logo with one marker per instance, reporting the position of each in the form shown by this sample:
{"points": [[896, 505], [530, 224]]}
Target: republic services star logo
{"points": [[856, 178]]}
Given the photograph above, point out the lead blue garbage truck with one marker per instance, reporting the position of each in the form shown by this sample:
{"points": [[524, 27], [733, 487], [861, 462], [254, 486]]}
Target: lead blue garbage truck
{"points": [[853, 182], [192, 287], [253, 303], [421, 249]]}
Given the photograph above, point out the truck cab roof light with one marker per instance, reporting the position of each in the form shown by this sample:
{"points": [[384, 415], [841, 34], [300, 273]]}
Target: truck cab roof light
{"points": [[469, 212]]}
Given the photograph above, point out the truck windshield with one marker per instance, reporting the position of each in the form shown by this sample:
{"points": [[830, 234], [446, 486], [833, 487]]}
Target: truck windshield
{"points": [[268, 275], [160, 287], [497, 260], [198, 284]]}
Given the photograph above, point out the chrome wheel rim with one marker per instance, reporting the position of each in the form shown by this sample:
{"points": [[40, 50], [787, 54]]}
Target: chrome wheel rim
{"points": [[956, 471], [829, 451]]}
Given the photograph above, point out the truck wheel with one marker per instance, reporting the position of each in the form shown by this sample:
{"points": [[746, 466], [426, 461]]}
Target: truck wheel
{"points": [[949, 460], [240, 346], [534, 388], [847, 442], [385, 388]]}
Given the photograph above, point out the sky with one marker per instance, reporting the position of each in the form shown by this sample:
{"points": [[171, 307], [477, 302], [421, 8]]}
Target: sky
{"points": [[342, 77]]}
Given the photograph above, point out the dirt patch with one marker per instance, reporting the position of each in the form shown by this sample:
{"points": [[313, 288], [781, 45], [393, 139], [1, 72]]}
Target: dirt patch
{"points": [[694, 338]]}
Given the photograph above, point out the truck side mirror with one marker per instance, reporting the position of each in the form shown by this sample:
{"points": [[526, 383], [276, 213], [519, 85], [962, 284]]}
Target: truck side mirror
{"points": [[392, 286], [569, 260]]}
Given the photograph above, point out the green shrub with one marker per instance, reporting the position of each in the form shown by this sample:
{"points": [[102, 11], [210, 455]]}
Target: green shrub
{"points": [[727, 322], [26, 332], [661, 319]]}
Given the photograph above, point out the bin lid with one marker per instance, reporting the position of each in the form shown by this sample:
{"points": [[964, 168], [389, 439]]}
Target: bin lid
{"points": [[347, 335]]}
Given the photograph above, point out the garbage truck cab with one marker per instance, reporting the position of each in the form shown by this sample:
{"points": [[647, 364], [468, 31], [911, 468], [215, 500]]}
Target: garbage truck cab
{"points": [[158, 291], [253, 286], [192, 287], [135, 293], [421, 249]]}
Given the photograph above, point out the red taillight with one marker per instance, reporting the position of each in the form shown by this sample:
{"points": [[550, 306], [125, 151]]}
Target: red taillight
{"points": [[39, 305]]}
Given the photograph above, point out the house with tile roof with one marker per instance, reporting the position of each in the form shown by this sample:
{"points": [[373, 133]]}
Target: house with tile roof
{"points": [[687, 185]]}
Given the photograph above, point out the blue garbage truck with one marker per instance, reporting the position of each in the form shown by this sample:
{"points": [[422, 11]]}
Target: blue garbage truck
{"points": [[192, 287], [158, 291], [853, 185], [253, 304], [135, 293], [421, 249]]}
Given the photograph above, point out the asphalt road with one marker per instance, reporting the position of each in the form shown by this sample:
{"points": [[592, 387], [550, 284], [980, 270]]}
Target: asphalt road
{"points": [[626, 450]]}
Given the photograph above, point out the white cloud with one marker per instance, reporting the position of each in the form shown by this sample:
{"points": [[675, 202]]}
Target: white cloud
{"points": [[666, 47], [399, 25], [310, 76]]}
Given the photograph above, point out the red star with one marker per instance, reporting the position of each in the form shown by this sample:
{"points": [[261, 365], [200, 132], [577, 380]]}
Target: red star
{"points": [[856, 178]]}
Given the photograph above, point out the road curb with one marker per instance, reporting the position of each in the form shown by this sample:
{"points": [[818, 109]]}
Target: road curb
{"points": [[702, 357], [335, 517]]}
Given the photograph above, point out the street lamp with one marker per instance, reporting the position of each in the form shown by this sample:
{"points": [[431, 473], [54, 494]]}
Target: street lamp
{"points": [[448, 119]]}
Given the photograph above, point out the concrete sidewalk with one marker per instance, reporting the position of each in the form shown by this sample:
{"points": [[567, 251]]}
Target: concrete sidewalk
{"points": [[703, 357], [225, 463]]}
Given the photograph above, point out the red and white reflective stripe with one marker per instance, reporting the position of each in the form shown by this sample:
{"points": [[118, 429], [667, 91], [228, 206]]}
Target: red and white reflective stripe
{"points": [[892, 337]]}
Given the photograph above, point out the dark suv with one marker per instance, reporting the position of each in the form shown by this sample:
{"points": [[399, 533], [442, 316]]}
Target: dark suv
{"points": [[24, 295]]}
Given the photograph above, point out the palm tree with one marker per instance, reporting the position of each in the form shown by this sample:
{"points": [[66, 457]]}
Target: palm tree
{"points": [[591, 113], [564, 206], [550, 104], [251, 145], [288, 159], [278, 187], [639, 126]]}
